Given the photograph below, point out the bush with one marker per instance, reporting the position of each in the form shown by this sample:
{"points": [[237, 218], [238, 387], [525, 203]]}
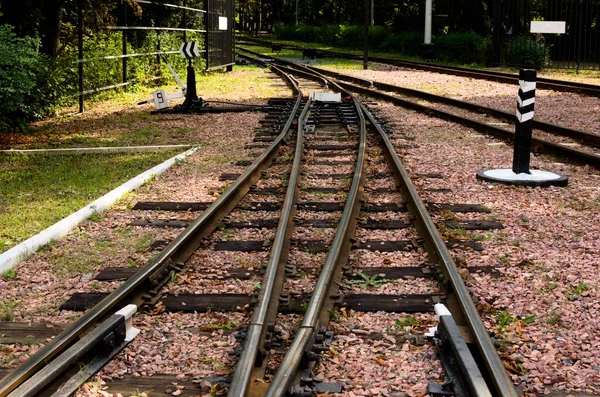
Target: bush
{"points": [[407, 43], [524, 51], [19, 65], [462, 47]]}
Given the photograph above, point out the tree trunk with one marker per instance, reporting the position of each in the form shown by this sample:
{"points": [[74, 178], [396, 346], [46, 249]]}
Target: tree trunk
{"points": [[50, 26]]}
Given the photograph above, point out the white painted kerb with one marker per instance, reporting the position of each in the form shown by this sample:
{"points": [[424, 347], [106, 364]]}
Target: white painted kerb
{"points": [[20, 252]]}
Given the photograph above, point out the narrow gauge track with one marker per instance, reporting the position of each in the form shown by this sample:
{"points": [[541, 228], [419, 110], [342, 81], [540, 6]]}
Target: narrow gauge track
{"points": [[542, 83], [335, 135], [549, 138]]}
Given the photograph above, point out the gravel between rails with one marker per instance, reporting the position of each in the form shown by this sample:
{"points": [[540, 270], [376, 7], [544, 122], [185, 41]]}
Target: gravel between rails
{"points": [[48, 278], [570, 109], [544, 306]]}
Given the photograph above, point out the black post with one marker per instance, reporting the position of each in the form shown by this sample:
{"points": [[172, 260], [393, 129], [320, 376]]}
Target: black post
{"points": [[191, 97], [80, 51], [525, 103], [124, 40], [366, 44]]}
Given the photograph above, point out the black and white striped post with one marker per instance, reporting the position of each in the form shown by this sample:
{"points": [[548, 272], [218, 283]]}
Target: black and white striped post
{"points": [[520, 174], [525, 104]]}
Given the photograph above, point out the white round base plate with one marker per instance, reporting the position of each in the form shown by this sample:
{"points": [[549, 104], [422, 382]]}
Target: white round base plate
{"points": [[533, 178]]}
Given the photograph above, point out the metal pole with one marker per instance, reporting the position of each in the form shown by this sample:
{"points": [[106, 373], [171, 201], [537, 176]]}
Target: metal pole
{"points": [[184, 21], [80, 51], [124, 42], [296, 12], [428, 12], [372, 12], [366, 41]]}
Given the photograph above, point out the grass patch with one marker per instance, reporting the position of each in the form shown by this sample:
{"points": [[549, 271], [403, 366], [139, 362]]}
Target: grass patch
{"points": [[116, 120], [37, 191], [124, 245]]}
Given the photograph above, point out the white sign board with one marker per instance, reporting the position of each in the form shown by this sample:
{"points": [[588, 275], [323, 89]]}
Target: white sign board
{"points": [[160, 99], [222, 23], [548, 27]]}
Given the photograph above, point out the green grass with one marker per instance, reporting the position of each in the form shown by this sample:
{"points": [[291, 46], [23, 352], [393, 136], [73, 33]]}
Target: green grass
{"points": [[37, 191], [118, 121]]}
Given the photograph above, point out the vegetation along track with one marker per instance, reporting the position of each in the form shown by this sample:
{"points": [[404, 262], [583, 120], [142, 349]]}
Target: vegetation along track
{"points": [[575, 145], [343, 186], [542, 83]]}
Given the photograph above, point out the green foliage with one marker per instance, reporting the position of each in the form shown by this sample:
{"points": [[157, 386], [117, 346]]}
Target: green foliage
{"points": [[406, 43], [408, 322], [9, 274], [369, 282], [461, 47], [574, 292], [504, 319], [19, 64], [524, 51], [7, 309]]}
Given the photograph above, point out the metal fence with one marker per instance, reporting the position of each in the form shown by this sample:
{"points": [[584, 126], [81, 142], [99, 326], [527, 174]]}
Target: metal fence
{"points": [[190, 23], [578, 48], [219, 34]]}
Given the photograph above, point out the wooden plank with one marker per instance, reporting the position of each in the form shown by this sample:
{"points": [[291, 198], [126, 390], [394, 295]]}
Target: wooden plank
{"points": [[333, 154], [201, 206], [202, 303], [158, 384], [384, 225], [394, 273], [27, 332], [416, 303], [320, 206], [81, 301], [474, 225], [160, 224], [465, 245], [333, 162], [124, 273], [170, 206], [385, 246], [116, 273], [458, 207], [351, 146]]}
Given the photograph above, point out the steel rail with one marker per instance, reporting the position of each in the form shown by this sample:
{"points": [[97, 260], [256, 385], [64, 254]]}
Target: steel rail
{"points": [[304, 73], [435, 245], [543, 83], [282, 380], [588, 138], [266, 308], [178, 250], [572, 154]]}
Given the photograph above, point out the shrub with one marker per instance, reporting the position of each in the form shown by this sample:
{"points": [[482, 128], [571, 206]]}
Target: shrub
{"points": [[407, 43], [461, 47], [19, 64], [524, 51]]}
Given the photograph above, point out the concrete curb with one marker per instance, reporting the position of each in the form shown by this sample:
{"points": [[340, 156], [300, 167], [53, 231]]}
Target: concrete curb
{"points": [[20, 252], [97, 150]]}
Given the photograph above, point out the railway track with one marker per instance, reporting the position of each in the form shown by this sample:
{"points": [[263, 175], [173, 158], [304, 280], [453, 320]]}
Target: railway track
{"points": [[294, 232], [542, 83], [574, 145]]}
